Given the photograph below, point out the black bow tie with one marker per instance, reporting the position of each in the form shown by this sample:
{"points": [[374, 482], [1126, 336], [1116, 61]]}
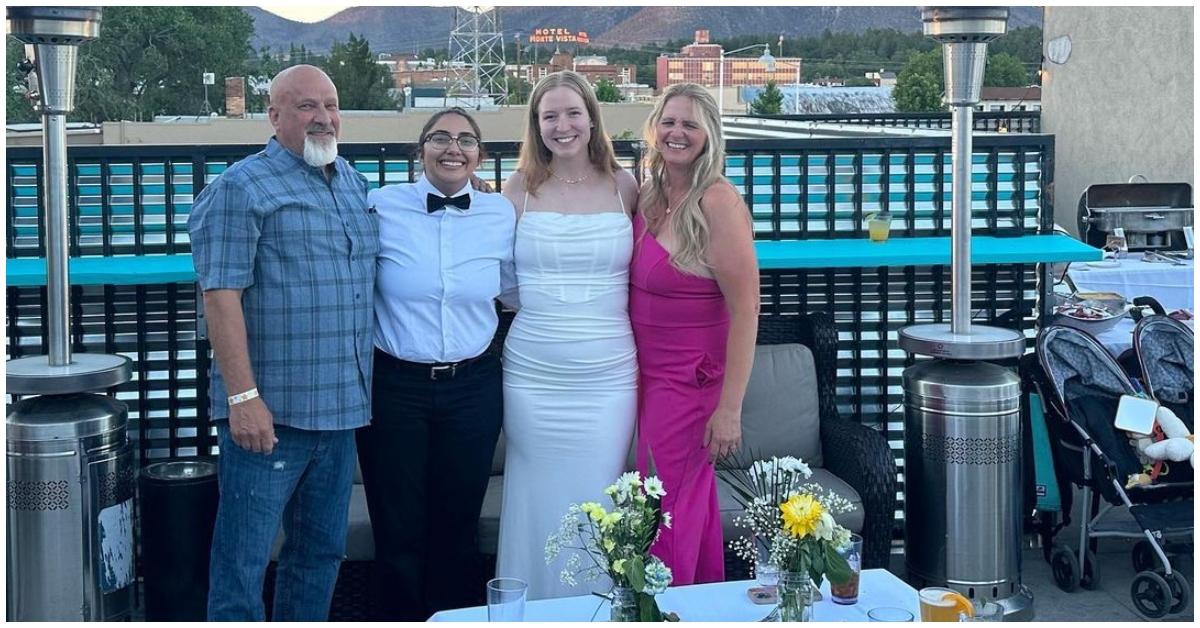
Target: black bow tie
{"points": [[433, 202]]}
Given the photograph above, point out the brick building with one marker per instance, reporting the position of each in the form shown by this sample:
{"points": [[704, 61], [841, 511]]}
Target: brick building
{"points": [[700, 61], [592, 68]]}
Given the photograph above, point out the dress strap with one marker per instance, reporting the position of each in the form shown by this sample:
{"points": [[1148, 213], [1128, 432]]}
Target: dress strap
{"points": [[621, 200], [525, 203]]}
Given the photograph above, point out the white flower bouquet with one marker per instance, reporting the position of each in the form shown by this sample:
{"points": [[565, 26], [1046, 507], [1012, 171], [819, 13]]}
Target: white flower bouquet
{"points": [[617, 543]]}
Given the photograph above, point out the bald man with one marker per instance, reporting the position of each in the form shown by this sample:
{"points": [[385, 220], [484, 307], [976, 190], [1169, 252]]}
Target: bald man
{"points": [[284, 247]]}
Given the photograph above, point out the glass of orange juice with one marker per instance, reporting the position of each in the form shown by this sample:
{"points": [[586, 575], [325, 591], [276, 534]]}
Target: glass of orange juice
{"points": [[878, 226], [941, 604]]}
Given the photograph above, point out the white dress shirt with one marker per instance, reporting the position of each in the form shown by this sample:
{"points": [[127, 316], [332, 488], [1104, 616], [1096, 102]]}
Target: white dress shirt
{"points": [[439, 274]]}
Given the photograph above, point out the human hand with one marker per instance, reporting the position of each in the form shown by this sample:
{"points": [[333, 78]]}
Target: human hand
{"points": [[252, 426], [723, 433], [480, 185]]}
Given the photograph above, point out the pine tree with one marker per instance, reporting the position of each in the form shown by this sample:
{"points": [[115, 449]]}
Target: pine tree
{"points": [[768, 102]]}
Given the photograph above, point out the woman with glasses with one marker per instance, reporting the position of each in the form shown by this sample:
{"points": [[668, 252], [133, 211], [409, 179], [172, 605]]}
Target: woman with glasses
{"points": [[570, 371], [446, 255]]}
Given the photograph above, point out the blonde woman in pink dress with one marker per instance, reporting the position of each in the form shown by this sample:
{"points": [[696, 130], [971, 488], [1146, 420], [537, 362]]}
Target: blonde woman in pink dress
{"points": [[693, 304]]}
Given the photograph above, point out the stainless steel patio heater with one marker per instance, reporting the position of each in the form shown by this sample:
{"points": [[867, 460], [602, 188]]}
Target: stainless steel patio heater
{"points": [[962, 438], [70, 472]]}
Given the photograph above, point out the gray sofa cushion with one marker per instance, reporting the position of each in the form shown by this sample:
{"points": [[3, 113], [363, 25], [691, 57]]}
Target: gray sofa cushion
{"points": [[781, 414]]}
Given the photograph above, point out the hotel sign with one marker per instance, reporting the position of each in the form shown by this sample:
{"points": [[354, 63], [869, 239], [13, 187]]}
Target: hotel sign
{"points": [[558, 36]]}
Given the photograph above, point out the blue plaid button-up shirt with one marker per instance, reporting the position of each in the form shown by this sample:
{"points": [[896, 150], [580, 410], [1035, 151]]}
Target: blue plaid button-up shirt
{"points": [[302, 250]]}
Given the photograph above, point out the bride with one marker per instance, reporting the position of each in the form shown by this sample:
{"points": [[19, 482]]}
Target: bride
{"points": [[570, 369]]}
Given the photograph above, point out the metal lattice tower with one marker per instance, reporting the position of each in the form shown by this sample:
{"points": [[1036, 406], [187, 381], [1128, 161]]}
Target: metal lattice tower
{"points": [[477, 56]]}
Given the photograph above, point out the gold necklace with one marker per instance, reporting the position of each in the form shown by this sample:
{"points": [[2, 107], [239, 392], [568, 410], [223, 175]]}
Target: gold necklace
{"points": [[570, 181], [677, 206]]}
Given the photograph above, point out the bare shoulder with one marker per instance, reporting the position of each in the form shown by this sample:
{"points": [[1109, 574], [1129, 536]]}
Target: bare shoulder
{"points": [[722, 201], [627, 185], [514, 188]]}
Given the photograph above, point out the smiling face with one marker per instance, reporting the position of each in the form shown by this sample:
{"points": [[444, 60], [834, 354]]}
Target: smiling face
{"points": [[304, 108], [680, 136], [563, 123], [450, 168]]}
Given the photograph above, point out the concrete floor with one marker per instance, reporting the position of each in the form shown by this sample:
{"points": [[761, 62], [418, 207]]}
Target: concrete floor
{"points": [[1111, 602]]}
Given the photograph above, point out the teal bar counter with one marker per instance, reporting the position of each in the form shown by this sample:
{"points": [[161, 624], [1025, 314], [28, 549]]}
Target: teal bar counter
{"points": [[772, 255]]}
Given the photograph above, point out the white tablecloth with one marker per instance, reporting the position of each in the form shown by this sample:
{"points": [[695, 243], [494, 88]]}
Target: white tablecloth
{"points": [[720, 601], [1120, 338], [1130, 277]]}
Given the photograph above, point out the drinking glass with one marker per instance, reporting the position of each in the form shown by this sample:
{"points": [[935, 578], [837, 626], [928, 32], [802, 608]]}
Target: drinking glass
{"points": [[506, 599], [941, 604], [889, 613], [984, 611], [848, 593], [878, 226]]}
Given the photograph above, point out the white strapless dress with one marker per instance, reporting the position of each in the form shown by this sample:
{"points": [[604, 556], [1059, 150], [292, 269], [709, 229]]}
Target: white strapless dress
{"points": [[570, 384]]}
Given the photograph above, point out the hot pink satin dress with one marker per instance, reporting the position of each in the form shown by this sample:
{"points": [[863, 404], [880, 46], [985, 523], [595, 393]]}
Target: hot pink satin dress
{"points": [[680, 326]]}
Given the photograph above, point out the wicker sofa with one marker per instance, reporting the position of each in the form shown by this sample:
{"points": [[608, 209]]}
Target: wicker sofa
{"points": [[790, 409]]}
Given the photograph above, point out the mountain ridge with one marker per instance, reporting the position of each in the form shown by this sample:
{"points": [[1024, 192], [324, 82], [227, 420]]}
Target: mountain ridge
{"points": [[414, 28]]}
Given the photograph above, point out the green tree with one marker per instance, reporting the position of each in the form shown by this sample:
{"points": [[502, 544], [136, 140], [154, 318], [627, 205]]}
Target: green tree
{"points": [[150, 61], [920, 85], [1004, 70], [606, 91], [922, 81], [361, 82], [260, 71], [768, 102], [17, 108]]}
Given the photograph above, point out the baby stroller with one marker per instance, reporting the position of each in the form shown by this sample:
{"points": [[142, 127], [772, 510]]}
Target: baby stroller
{"points": [[1163, 347], [1086, 384]]}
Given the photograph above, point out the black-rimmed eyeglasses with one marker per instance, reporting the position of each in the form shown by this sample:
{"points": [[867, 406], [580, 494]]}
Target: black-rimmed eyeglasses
{"points": [[442, 141]]}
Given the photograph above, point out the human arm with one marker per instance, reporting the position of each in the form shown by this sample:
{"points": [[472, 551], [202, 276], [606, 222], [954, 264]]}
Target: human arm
{"points": [[510, 295], [627, 185], [224, 228], [250, 422], [734, 264]]}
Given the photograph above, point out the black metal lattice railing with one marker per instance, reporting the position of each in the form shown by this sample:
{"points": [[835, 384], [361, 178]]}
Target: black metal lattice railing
{"points": [[135, 201]]}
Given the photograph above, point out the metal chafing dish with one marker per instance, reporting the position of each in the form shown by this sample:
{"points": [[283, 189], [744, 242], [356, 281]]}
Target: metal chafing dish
{"points": [[1153, 215]]}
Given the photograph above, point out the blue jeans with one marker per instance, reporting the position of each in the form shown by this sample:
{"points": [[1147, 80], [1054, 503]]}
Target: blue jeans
{"points": [[304, 483]]}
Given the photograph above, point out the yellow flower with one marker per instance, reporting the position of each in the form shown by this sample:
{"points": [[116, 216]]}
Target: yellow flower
{"points": [[801, 515], [593, 510], [619, 566], [609, 520], [609, 545]]}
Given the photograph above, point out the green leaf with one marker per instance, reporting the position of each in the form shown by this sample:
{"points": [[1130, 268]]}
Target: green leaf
{"points": [[648, 608], [837, 569], [635, 568]]}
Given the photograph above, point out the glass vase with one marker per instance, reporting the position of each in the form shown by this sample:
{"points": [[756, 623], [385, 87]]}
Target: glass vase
{"points": [[796, 596], [624, 605]]}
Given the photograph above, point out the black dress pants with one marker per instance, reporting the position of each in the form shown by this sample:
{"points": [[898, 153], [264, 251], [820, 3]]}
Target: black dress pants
{"points": [[426, 459]]}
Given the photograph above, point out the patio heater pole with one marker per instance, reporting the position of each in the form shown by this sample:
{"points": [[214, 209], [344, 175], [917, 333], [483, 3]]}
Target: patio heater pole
{"points": [[962, 431], [69, 462]]}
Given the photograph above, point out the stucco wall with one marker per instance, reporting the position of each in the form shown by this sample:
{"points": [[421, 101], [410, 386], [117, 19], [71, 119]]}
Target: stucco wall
{"points": [[502, 125], [1121, 105]]}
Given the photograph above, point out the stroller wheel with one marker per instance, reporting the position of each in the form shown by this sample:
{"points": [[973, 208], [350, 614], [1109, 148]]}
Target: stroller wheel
{"points": [[1181, 591], [1151, 594], [1090, 578], [1065, 567], [1144, 558]]}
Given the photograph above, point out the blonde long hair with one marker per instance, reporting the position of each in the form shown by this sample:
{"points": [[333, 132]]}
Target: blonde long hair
{"points": [[534, 160], [687, 221]]}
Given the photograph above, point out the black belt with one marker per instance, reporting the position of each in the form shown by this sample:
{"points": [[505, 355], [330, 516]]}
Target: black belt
{"points": [[436, 370]]}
